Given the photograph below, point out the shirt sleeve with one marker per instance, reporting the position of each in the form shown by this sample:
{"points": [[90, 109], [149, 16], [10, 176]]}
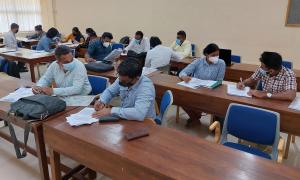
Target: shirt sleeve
{"points": [[175, 56], [110, 92], [187, 50], [10, 42], [221, 72], [147, 45], [257, 75], [189, 70], [48, 77], [77, 84], [290, 83], [148, 59], [173, 45], [91, 48], [129, 47], [143, 101], [33, 36]]}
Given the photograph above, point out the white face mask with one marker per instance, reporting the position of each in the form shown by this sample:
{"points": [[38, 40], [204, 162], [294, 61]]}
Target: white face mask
{"points": [[214, 60], [106, 44]]}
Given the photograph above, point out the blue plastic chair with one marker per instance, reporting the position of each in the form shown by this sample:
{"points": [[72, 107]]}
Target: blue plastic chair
{"points": [[193, 50], [253, 124], [166, 102], [33, 47], [117, 46], [287, 64], [3, 65], [98, 83], [235, 58]]}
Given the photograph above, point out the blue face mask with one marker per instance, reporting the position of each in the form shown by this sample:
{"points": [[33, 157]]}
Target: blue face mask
{"points": [[137, 41], [178, 42], [70, 66]]}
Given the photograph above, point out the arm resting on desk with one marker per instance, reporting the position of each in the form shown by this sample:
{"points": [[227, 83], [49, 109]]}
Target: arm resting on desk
{"points": [[288, 95]]}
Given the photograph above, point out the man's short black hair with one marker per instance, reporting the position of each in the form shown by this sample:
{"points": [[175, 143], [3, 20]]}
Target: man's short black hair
{"points": [[107, 35], [14, 26], [154, 41], [181, 33], [210, 49], [38, 28], [52, 32], [91, 32], [62, 50], [272, 60], [130, 67], [139, 33]]}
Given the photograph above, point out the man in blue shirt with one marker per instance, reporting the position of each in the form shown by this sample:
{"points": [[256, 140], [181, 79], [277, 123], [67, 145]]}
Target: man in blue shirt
{"points": [[47, 41], [136, 91], [208, 68], [98, 49], [68, 73]]}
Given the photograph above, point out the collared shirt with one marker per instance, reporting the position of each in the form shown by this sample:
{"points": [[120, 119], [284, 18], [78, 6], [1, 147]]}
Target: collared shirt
{"points": [[10, 40], [97, 51], [36, 36], [45, 44], [143, 46], [160, 56], [285, 80], [137, 102], [73, 82], [185, 49], [202, 70]]}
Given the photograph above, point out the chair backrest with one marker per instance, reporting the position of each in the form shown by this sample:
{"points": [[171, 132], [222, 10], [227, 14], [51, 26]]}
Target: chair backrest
{"points": [[193, 50], [287, 64], [98, 83], [166, 102], [252, 124], [33, 47], [235, 58], [117, 46]]}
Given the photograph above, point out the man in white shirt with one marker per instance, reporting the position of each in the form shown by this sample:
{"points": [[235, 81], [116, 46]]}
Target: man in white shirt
{"points": [[182, 46], [159, 56], [139, 43]]}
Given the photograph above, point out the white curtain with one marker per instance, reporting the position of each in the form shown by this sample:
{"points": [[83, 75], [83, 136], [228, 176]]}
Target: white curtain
{"points": [[26, 13]]}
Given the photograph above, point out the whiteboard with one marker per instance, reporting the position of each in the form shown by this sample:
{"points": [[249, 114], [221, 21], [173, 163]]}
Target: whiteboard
{"points": [[293, 13]]}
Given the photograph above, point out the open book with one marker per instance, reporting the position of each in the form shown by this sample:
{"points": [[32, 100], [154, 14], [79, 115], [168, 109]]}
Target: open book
{"points": [[195, 83], [233, 90]]}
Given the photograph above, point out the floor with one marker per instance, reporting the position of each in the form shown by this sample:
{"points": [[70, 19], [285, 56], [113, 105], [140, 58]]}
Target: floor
{"points": [[27, 168]]}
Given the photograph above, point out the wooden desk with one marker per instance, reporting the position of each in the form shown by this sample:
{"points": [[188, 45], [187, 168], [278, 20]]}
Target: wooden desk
{"points": [[10, 84], [103, 148], [235, 71], [27, 43], [28, 56], [216, 101]]}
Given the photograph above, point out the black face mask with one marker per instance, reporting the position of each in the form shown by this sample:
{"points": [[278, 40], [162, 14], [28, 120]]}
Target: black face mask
{"points": [[17, 31], [125, 84]]}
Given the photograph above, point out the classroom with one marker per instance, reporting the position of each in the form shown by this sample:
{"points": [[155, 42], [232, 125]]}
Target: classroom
{"points": [[140, 89]]}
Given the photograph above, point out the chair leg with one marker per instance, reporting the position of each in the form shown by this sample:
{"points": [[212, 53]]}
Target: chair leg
{"points": [[177, 114], [293, 138], [287, 148]]}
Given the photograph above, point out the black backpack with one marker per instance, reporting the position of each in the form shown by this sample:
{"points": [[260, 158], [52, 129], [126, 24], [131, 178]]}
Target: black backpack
{"points": [[33, 108], [99, 66]]}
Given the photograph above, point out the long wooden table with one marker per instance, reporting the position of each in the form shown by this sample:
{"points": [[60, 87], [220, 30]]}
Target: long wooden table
{"points": [[234, 72], [165, 154], [28, 56], [8, 85]]}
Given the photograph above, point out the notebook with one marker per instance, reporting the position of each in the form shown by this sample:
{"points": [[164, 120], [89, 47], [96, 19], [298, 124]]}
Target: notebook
{"points": [[234, 91]]}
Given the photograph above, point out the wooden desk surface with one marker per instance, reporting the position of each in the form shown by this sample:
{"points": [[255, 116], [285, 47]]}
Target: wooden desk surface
{"points": [[216, 101], [165, 154], [27, 54]]}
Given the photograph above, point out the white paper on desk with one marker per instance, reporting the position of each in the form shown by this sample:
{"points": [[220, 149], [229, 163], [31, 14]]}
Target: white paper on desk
{"points": [[295, 104], [82, 117], [18, 94], [147, 71], [233, 90], [195, 83], [7, 50], [78, 100]]}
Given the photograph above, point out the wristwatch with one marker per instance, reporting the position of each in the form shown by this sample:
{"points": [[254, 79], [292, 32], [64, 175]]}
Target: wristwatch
{"points": [[269, 95]]}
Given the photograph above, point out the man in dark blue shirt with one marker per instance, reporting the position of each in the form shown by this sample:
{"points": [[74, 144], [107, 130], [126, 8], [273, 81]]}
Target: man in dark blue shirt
{"points": [[98, 49]]}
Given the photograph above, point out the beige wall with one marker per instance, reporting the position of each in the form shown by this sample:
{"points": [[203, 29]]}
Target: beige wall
{"points": [[246, 27]]}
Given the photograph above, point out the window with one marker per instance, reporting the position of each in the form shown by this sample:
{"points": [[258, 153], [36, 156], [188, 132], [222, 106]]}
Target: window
{"points": [[26, 13]]}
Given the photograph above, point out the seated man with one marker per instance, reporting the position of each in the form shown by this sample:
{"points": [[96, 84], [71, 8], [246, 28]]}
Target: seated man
{"points": [[47, 41], [139, 43], [39, 33], [159, 56], [98, 49], [136, 91], [277, 81], [182, 46], [68, 73], [208, 68]]}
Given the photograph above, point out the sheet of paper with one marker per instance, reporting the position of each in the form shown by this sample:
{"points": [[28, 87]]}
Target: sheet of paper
{"points": [[78, 100], [147, 71], [82, 117], [195, 83], [18, 94], [295, 104], [232, 90], [6, 50]]}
